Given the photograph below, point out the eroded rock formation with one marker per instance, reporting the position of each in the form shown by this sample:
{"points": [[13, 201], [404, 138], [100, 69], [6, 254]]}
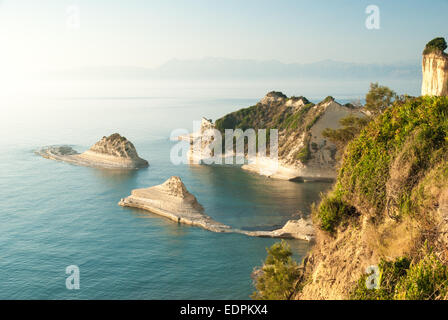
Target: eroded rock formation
{"points": [[303, 153], [172, 200], [435, 69], [113, 152]]}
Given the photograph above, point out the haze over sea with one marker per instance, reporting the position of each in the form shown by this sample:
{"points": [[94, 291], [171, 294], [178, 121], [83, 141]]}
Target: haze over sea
{"points": [[54, 214]]}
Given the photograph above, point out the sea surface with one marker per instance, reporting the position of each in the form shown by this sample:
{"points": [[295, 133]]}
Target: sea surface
{"points": [[54, 214]]}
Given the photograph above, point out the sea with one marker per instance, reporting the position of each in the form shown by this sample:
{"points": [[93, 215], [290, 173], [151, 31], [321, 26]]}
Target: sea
{"points": [[54, 215]]}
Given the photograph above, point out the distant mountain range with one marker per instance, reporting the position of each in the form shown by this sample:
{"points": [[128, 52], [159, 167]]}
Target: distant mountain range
{"points": [[222, 68]]}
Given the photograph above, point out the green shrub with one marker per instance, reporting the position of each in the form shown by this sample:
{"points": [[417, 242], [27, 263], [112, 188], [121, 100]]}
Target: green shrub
{"points": [[426, 280], [390, 273], [328, 99], [277, 94], [351, 127], [277, 277], [400, 279], [367, 160], [420, 125], [304, 154], [331, 211], [294, 120], [437, 44]]}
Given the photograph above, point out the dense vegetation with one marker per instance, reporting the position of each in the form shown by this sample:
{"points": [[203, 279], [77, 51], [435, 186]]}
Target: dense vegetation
{"points": [[351, 126], [274, 116], [276, 279], [401, 279], [279, 115], [435, 45], [388, 170], [394, 167], [379, 98], [414, 131]]}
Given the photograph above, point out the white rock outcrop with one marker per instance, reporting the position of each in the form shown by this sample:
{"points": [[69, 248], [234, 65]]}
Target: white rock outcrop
{"points": [[435, 74], [322, 163], [322, 166], [173, 201], [113, 152], [200, 142]]}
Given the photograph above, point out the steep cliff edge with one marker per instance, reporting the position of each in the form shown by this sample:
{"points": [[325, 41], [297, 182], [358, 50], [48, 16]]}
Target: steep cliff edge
{"points": [[388, 208], [435, 69]]}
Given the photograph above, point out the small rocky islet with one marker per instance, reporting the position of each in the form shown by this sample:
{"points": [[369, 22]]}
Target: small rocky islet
{"points": [[112, 152], [171, 199]]}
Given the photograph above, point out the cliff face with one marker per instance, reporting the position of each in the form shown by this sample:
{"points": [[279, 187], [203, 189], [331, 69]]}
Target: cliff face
{"points": [[390, 201], [435, 74], [173, 201], [303, 152]]}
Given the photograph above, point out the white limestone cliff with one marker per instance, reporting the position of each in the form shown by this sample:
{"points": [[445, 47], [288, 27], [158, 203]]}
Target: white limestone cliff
{"points": [[435, 74], [312, 119]]}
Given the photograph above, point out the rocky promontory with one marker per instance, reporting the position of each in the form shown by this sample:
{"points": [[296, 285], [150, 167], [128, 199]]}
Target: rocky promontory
{"points": [[301, 229], [113, 152], [303, 152], [172, 200]]}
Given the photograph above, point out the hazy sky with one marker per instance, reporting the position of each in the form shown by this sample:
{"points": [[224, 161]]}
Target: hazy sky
{"points": [[35, 34]]}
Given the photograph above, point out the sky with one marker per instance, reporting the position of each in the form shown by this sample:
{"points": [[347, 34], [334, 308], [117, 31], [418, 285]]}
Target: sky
{"points": [[61, 34]]}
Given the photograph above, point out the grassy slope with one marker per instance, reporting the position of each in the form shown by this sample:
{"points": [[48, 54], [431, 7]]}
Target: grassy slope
{"points": [[389, 201]]}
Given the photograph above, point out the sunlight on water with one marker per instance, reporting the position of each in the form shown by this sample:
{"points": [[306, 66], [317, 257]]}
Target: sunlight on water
{"points": [[55, 214]]}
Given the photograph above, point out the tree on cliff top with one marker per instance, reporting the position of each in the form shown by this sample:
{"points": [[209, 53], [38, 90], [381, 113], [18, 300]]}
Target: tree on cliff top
{"points": [[276, 279], [379, 98], [435, 45]]}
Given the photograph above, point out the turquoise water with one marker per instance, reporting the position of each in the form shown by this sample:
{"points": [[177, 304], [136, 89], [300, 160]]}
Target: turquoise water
{"points": [[55, 214]]}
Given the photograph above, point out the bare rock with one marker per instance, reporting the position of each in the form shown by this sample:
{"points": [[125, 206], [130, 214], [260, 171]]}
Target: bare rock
{"points": [[113, 152]]}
